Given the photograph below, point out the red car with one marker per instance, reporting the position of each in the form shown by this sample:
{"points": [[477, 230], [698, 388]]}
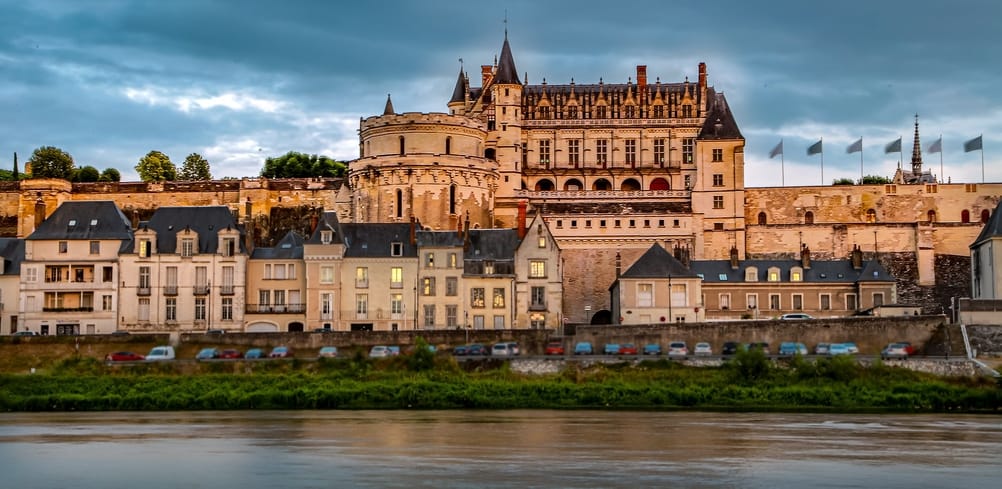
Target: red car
{"points": [[627, 349], [124, 356], [231, 354], [554, 348], [280, 352]]}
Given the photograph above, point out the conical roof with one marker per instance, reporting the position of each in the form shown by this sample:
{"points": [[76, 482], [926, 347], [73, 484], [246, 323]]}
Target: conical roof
{"points": [[388, 110], [507, 74], [459, 93]]}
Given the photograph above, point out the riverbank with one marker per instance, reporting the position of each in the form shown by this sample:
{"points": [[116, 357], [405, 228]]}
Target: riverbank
{"points": [[748, 382]]}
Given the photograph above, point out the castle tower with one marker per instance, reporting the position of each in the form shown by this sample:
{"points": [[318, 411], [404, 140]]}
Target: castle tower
{"points": [[505, 132]]}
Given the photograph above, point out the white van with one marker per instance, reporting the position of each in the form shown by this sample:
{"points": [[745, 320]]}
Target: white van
{"points": [[161, 353]]}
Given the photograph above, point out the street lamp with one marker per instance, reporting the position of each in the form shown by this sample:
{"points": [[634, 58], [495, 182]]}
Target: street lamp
{"points": [[670, 318]]}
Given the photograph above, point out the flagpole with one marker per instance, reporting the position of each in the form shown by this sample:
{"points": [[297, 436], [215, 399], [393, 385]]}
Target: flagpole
{"points": [[981, 138], [942, 175], [860, 161], [822, 140], [782, 168], [901, 153]]}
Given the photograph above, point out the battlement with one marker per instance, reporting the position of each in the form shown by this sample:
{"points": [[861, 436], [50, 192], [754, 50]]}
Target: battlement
{"points": [[422, 118]]}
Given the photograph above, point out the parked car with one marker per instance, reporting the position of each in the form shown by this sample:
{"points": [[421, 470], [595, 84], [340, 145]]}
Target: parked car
{"points": [[702, 349], [123, 356], [478, 349], [515, 350], [253, 354], [730, 348], [231, 354], [215, 331], [677, 349], [379, 351], [821, 348], [627, 349], [554, 348], [25, 332], [761, 345], [159, 353], [852, 347], [120, 332], [280, 352], [789, 349], [652, 349], [795, 315], [611, 349], [909, 347], [583, 348], [501, 350], [327, 352], [894, 351], [207, 354], [394, 350], [836, 349], [460, 351]]}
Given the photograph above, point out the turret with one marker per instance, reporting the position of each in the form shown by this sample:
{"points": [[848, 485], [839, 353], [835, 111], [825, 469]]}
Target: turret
{"points": [[506, 95]]}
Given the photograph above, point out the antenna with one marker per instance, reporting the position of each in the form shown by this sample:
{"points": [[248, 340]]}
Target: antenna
{"points": [[506, 23]]}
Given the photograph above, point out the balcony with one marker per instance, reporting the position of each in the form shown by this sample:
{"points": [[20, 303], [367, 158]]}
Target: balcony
{"points": [[361, 283], [200, 290], [68, 309], [170, 290], [276, 309], [537, 306], [143, 290], [226, 290]]}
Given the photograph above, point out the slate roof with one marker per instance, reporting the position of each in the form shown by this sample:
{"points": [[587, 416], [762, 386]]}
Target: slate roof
{"points": [[12, 253], [459, 93], [373, 240], [85, 220], [720, 123], [327, 222], [821, 271], [439, 239], [657, 263], [992, 229], [492, 244], [290, 247], [507, 74], [207, 221]]}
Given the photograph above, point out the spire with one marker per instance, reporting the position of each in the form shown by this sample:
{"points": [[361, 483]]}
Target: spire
{"points": [[916, 152], [459, 93], [389, 106], [506, 74]]}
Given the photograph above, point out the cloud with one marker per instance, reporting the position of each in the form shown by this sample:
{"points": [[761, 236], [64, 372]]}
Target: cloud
{"points": [[188, 101]]}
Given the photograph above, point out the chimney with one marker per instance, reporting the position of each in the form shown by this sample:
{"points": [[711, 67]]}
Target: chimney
{"points": [[734, 257], [521, 219], [619, 265], [459, 227], [857, 258], [702, 76], [315, 221], [39, 211], [485, 74], [805, 257], [642, 78], [135, 219], [413, 231], [247, 210], [466, 233]]}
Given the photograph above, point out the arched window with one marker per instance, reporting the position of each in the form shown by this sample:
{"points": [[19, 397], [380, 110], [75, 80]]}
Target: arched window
{"points": [[448, 145], [761, 218], [985, 215], [931, 215], [601, 184], [629, 185], [400, 203], [660, 184], [573, 185], [965, 216], [401, 145], [871, 215], [544, 185], [452, 199], [808, 217]]}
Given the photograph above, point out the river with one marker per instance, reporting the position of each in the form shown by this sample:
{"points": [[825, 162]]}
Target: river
{"points": [[487, 449]]}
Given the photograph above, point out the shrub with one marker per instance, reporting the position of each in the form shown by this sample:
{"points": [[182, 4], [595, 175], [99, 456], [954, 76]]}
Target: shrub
{"points": [[750, 364]]}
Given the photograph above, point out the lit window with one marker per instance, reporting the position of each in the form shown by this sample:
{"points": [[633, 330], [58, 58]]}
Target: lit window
{"points": [[537, 268]]}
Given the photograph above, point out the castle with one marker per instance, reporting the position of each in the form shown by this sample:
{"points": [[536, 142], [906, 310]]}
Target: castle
{"points": [[612, 168]]}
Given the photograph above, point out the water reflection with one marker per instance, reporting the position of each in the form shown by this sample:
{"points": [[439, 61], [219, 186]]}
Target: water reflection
{"points": [[397, 449]]}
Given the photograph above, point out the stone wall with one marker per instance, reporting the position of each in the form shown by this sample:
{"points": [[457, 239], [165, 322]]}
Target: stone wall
{"points": [[986, 341]]}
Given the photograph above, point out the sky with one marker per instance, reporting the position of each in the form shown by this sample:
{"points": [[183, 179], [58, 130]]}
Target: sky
{"points": [[239, 81]]}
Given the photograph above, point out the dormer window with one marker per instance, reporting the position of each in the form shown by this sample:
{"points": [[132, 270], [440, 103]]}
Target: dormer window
{"points": [[796, 274], [187, 247], [751, 274], [229, 246], [488, 267], [73, 222], [326, 237], [396, 249], [93, 222], [774, 274], [144, 248]]}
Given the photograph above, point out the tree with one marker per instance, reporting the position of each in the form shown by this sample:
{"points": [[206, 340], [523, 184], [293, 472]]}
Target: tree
{"points": [[874, 180], [51, 162], [195, 168], [110, 175], [86, 174], [299, 165], [16, 175], [156, 167], [843, 181]]}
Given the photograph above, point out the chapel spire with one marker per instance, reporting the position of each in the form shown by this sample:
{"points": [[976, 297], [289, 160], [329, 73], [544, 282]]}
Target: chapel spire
{"points": [[916, 152]]}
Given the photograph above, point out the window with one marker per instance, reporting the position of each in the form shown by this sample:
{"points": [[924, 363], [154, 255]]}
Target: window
{"points": [[718, 180], [602, 151], [144, 309], [144, 248], [144, 278], [751, 274], [808, 217], [718, 201], [878, 299], [687, 111], [200, 309], [488, 267], [574, 152], [451, 286], [227, 287], [279, 272], [95, 247], [687, 149], [229, 246], [537, 297], [718, 155], [451, 316], [170, 279], [227, 309], [826, 302], [428, 286], [544, 152], [678, 295], [361, 277], [871, 215], [429, 260], [429, 316], [498, 322], [264, 297], [396, 304], [400, 203], [64, 246], [796, 274], [478, 322], [30, 274], [774, 303], [630, 146], [361, 306], [752, 301], [850, 302], [477, 298], [645, 295], [762, 219], [187, 247], [396, 249], [402, 145], [105, 302], [292, 271], [774, 274], [798, 302], [725, 301], [541, 242], [170, 310], [659, 151], [396, 278], [537, 268], [498, 297], [688, 182], [326, 275], [201, 277], [326, 305], [453, 260], [326, 236]]}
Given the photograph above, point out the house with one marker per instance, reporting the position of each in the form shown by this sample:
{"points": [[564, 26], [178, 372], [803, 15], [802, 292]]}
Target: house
{"points": [[441, 305], [985, 304], [539, 284], [378, 277], [276, 286], [657, 288], [489, 277], [11, 255]]}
